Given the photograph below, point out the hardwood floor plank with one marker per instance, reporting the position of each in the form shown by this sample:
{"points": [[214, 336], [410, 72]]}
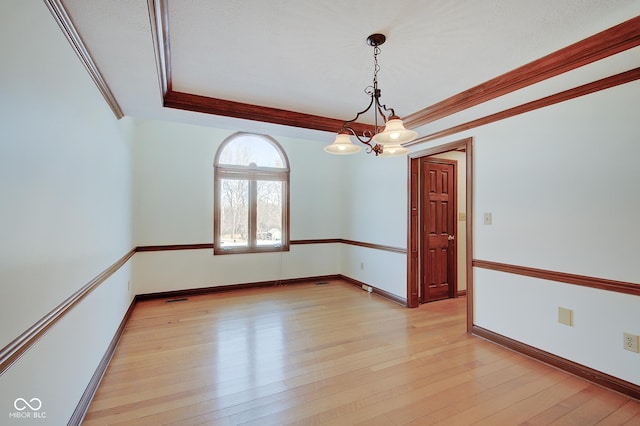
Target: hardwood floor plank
{"points": [[564, 406], [627, 414], [377, 400], [529, 407], [329, 354], [594, 410], [361, 390]]}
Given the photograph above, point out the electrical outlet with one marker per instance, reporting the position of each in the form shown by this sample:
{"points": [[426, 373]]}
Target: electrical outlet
{"points": [[565, 316], [630, 342]]}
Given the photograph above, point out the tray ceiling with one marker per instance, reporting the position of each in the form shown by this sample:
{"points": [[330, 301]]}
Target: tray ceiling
{"points": [[311, 57]]}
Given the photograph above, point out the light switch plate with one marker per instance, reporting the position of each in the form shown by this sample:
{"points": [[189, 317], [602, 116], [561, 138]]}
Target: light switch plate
{"points": [[565, 316], [488, 219]]}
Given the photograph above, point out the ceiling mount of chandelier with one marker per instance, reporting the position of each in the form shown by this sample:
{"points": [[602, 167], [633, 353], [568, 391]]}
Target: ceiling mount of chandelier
{"points": [[386, 140]]}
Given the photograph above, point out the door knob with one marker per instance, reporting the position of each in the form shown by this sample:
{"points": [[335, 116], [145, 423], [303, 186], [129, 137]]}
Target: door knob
{"points": [[451, 238]]}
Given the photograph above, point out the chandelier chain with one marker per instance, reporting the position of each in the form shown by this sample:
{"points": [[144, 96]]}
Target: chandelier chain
{"points": [[376, 67], [370, 90]]}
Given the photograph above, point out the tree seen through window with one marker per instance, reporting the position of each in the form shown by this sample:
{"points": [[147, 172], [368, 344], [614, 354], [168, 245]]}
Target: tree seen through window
{"points": [[251, 176]]}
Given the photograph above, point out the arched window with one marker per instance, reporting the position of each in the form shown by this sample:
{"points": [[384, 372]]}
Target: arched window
{"points": [[251, 195]]}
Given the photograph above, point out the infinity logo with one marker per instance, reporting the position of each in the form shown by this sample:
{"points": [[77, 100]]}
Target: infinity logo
{"points": [[22, 404]]}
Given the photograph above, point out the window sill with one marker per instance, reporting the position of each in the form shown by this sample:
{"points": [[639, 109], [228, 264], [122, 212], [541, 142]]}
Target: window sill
{"points": [[249, 250]]}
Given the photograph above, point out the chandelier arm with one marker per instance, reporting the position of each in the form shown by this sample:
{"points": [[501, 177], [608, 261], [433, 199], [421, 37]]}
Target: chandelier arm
{"points": [[381, 108], [345, 124], [365, 138]]}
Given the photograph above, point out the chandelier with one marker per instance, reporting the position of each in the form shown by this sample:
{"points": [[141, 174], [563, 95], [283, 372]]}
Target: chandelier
{"points": [[384, 141]]}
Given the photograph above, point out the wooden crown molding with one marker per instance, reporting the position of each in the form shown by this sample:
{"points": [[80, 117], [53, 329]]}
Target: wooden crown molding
{"points": [[599, 46], [208, 105], [605, 83], [159, 19], [66, 25]]}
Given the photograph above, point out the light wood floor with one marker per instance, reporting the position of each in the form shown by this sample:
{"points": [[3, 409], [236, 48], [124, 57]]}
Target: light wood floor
{"points": [[331, 354]]}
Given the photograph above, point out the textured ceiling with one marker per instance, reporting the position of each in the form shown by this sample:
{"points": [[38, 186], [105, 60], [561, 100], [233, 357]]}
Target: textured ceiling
{"points": [[310, 56]]}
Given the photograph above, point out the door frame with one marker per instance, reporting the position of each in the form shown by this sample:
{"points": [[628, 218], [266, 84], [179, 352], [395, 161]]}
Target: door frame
{"points": [[413, 225], [422, 217]]}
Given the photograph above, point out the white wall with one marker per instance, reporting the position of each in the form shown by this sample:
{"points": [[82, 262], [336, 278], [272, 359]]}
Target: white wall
{"points": [[375, 200], [562, 185], [354, 197], [375, 211], [173, 192], [65, 211], [381, 269]]}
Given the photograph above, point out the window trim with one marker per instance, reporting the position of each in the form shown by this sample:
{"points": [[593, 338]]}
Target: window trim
{"points": [[252, 174]]}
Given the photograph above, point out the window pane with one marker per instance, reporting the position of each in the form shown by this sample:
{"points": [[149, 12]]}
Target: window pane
{"points": [[251, 177], [234, 213], [243, 151], [269, 213]]}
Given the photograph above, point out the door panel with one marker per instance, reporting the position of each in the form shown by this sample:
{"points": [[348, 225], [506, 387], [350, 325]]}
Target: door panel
{"points": [[439, 220]]}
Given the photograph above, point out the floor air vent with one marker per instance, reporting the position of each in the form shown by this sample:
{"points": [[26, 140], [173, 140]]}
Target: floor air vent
{"points": [[182, 299]]}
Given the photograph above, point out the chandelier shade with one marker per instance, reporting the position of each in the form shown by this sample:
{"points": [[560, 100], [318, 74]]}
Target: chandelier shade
{"points": [[386, 140], [342, 145], [396, 150], [394, 133]]}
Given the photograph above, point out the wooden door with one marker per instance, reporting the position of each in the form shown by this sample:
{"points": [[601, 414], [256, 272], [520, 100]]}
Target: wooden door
{"points": [[438, 230]]}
